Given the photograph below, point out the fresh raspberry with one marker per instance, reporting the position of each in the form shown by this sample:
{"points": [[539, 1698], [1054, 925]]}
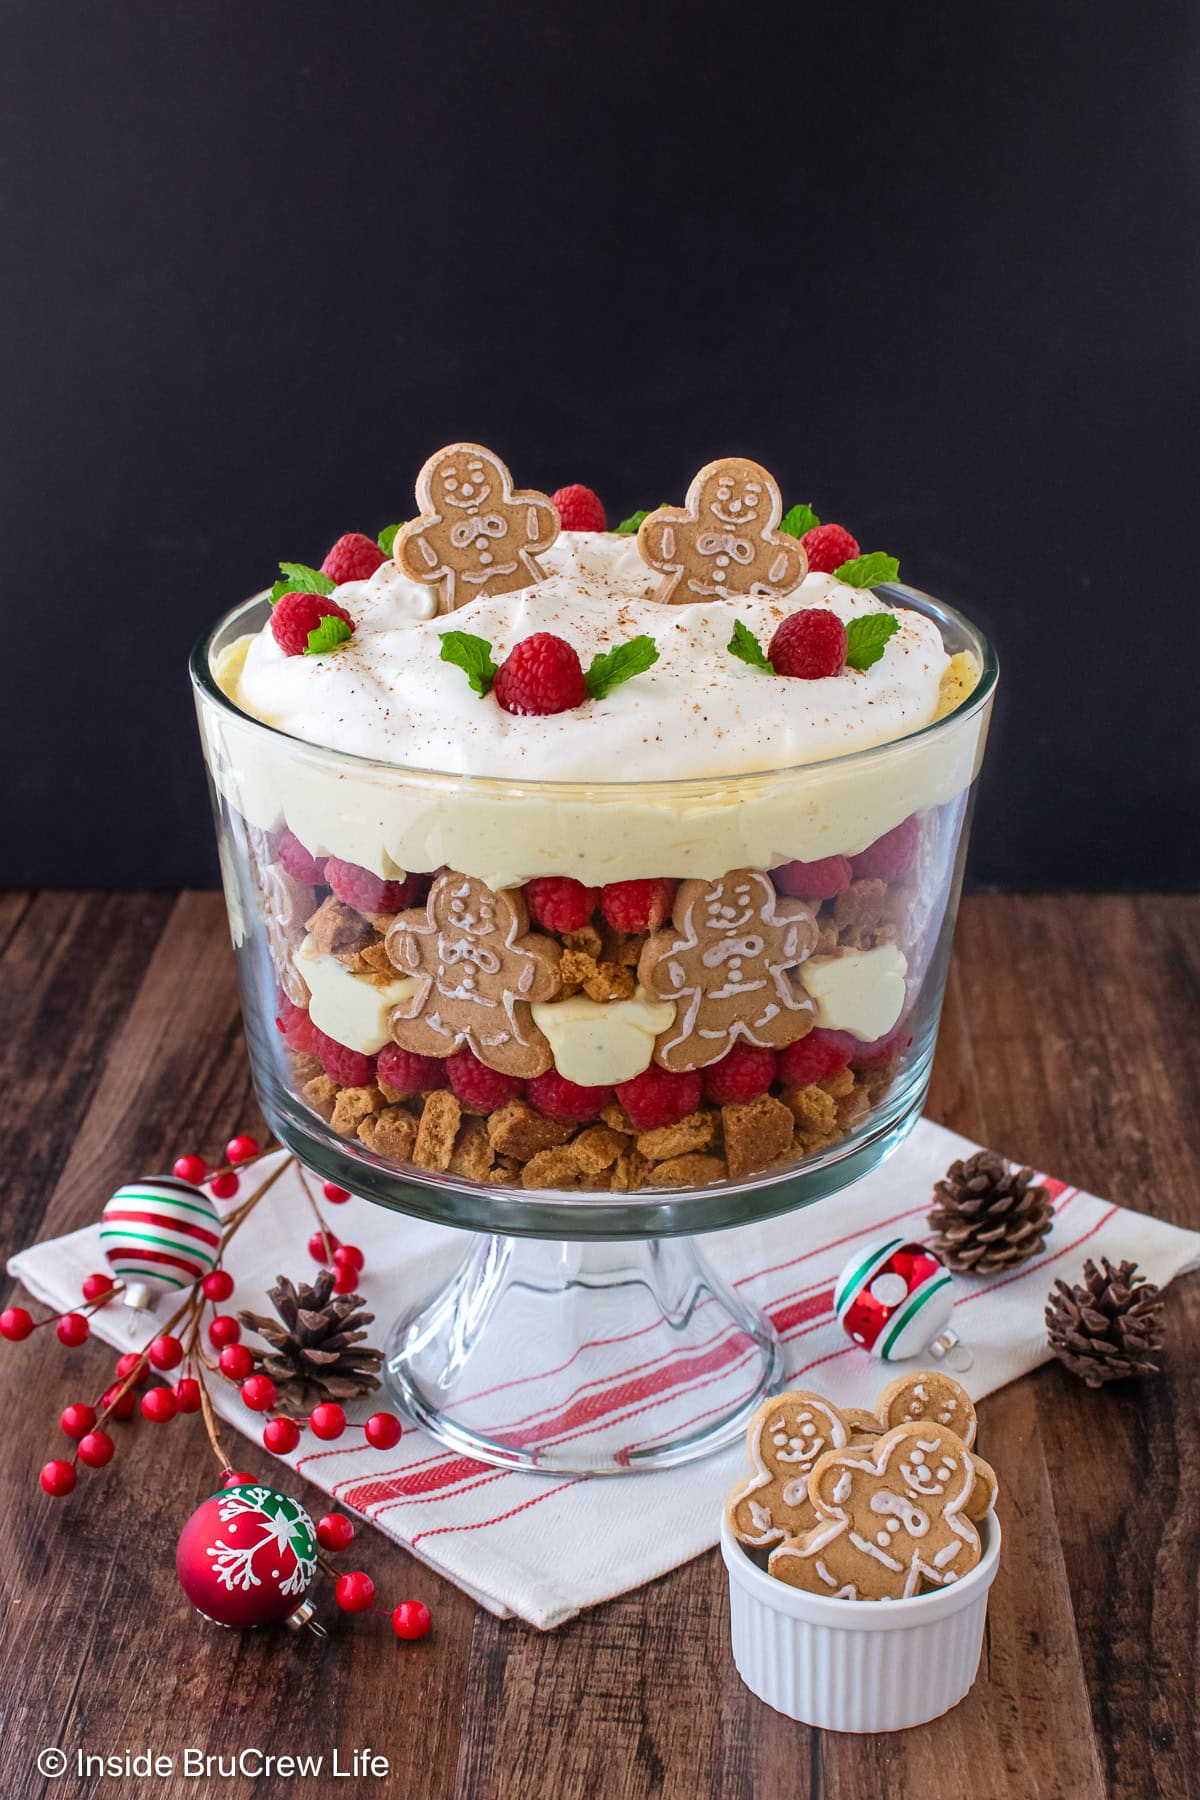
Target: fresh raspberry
{"points": [[295, 1026], [890, 857], [810, 644], [580, 509], [828, 547], [823, 880], [404, 1072], [348, 1067], [660, 1097], [297, 861], [295, 615], [355, 557], [883, 1050], [478, 1085], [743, 1073], [560, 903], [638, 905], [540, 675], [367, 893], [565, 1100], [816, 1057]]}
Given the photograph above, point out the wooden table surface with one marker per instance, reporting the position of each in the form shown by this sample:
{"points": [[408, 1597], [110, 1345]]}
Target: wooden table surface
{"points": [[1071, 1038]]}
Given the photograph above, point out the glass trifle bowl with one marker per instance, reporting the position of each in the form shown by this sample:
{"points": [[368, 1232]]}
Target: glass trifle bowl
{"points": [[585, 1016]]}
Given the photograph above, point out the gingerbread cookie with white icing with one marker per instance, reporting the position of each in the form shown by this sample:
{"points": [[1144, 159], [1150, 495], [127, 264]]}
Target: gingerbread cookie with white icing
{"points": [[723, 544], [891, 1517], [784, 1439], [729, 960], [479, 971], [475, 533]]}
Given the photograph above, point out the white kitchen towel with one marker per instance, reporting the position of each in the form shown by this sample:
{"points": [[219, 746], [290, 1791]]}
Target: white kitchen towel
{"points": [[546, 1546]]}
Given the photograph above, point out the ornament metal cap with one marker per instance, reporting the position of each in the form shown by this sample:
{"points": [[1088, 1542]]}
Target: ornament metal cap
{"points": [[304, 1615], [138, 1296]]}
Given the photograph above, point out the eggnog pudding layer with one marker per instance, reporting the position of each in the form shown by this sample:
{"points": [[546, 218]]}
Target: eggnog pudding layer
{"points": [[560, 858]]}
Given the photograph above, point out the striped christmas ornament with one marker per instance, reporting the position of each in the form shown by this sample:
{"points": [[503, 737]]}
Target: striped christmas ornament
{"points": [[160, 1235], [895, 1300]]}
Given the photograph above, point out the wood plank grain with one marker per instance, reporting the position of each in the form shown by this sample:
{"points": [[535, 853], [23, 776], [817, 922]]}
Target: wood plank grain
{"points": [[1071, 1037]]}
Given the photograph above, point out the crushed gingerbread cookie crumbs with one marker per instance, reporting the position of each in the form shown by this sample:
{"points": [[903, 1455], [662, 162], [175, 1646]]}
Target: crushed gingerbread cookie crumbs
{"points": [[440, 1118], [320, 1093], [337, 930], [519, 1130], [757, 1133], [391, 1132], [691, 1170], [352, 1105], [473, 1155], [611, 981], [696, 1132]]}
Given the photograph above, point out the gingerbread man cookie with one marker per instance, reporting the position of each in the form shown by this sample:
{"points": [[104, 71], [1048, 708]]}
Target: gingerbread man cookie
{"points": [[479, 969], [932, 1394], [476, 533], [723, 545], [783, 1440], [888, 1518], [728, 959]]}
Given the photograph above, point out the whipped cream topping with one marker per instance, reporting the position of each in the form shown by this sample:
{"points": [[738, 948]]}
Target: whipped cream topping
{"points": [[698, 712]]}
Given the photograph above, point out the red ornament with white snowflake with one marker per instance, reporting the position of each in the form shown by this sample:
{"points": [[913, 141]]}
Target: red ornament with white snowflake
{"points": [[247, 1557]]}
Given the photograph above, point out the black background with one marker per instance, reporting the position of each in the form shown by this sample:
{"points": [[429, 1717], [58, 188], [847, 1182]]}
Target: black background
{"points": [[935, 266]]}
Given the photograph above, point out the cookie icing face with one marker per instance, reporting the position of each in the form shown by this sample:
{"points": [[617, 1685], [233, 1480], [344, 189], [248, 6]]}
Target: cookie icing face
{"points": [[929, 1394]]}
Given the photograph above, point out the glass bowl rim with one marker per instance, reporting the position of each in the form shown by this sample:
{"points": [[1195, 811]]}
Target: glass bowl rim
{"points": [[205, 684]]}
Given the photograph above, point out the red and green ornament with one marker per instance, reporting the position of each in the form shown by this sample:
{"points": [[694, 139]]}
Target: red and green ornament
{"points": [[247, 1557], [160, 1235], [894, 1299]]}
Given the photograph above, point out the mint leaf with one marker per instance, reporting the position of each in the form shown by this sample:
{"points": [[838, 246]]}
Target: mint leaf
{"points": [[868, 571], [614, 666], [746, 647], [331, 632], [630, 526], [473, 655], [387, 538], [300, 579], [866, 637], [799, 519]]}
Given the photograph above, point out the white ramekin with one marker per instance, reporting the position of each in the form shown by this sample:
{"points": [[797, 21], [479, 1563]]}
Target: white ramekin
{"points": [[857, 1666]]}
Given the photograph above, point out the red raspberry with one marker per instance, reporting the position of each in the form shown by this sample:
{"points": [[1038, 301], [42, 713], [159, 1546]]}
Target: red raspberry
{"points": [[638, 905], [580, 509], [810, 644], [478, 1085], [295, 1026], [540, 675], [660, 1097], [367, 893], [743, 1073], [565, 1100], [883, 1050], [349, 1067], [890, 857], [828, 547], [297, 861], [823, 880], [560, 903], [404, 1072], [295, 615], [816, 1057], [355, 557]]}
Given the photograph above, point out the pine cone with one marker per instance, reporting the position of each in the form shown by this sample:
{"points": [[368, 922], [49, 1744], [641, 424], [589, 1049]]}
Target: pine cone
{"points": [[317, 1351], [1108, 1328], [988, 1216]]}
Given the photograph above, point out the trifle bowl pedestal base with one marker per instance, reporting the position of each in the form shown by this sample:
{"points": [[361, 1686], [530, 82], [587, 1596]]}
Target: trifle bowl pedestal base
{"points": [[583, 1358]]}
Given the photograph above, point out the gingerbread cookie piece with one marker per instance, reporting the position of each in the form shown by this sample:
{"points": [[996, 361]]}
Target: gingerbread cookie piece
{"points": [[784, 1439], [889, 1517], [479, 969], [928, 1394], [723, 544], [729, 959], [475, 533]]}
